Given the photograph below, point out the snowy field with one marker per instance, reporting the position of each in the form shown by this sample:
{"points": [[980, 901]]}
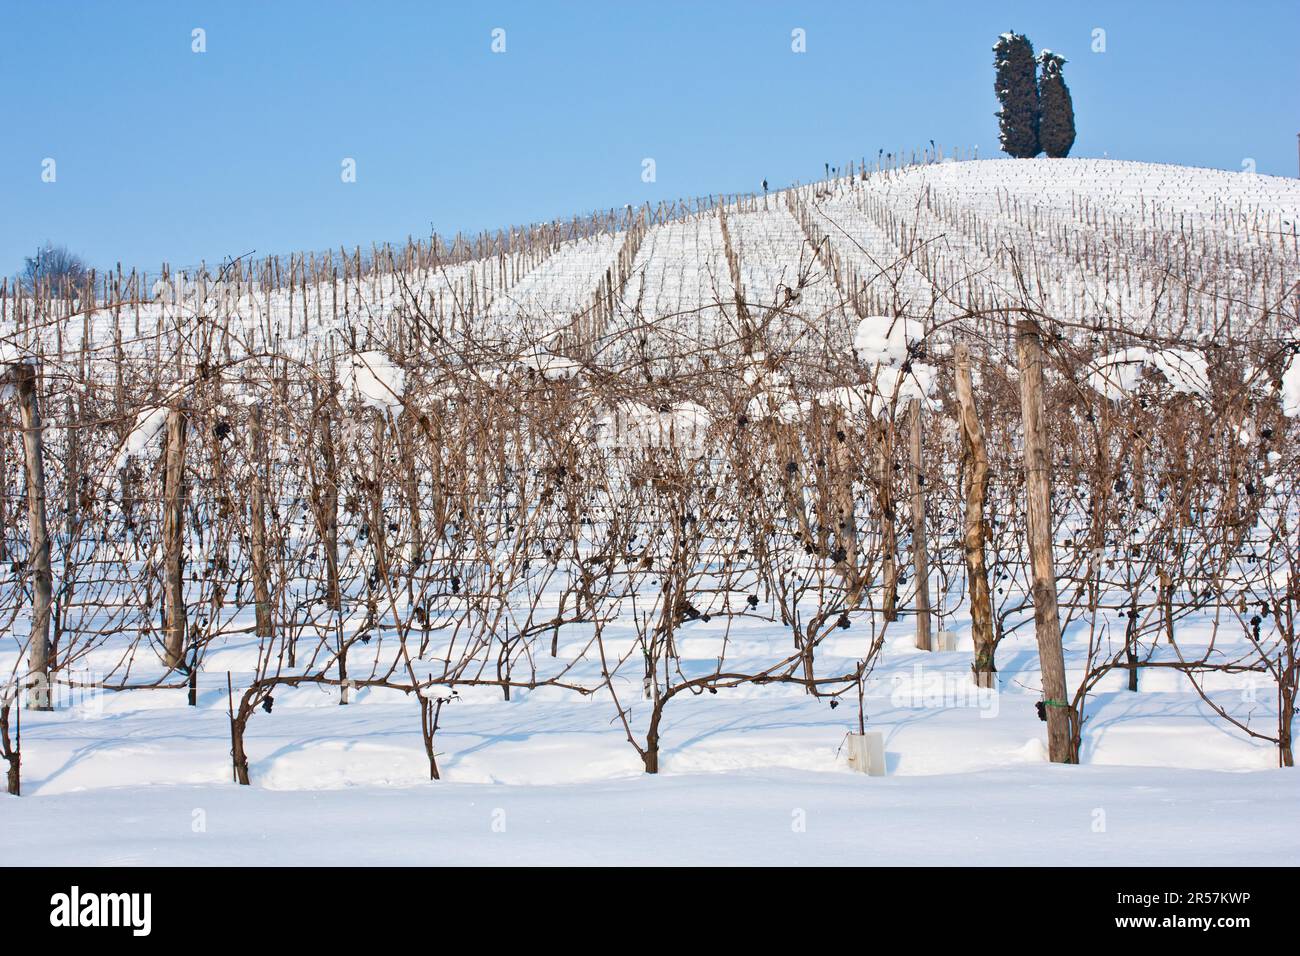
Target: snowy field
{"points": [[469, 393], [1040, 816], [750, 777]]}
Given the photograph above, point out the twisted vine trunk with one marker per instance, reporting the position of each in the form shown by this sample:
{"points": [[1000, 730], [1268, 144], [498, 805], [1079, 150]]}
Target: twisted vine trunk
{"points": [[11, 749], [650, 756]]}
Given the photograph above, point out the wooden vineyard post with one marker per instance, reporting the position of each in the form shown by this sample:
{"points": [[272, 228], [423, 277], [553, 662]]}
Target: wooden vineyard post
{"points": [[42, 583], [976, 459], [329, 534], [888, 517], [174, 538], [4, 497], [330, 507], [1038, 492], [845, 512], [920, 545], [257, 505]]}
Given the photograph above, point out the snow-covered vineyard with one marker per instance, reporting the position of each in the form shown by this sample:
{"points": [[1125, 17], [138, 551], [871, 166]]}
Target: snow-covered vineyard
{"points": [[726, 486]]}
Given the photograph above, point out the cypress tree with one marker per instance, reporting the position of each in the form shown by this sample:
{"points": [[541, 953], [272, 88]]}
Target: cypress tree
{"points": [[1056, 109], [1017, 89]]}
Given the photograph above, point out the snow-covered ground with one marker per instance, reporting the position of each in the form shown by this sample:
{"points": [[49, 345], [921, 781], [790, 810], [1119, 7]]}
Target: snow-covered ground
{"points": [[754, 776], [1045, 815]]}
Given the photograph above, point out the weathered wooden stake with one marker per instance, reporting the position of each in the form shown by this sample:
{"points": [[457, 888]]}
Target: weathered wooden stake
{"points": [[39, 555], [920, 545], [257, 505], [977, 483], [4, 497], [330, 508], [888, 528], [174, 538], [1038, 492]]}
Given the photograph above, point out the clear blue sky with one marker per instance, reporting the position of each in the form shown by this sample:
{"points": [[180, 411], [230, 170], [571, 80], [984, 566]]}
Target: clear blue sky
{"points": [[163, 153]]}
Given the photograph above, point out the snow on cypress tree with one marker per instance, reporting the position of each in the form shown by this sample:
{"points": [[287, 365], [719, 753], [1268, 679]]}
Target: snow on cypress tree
{"points": [[1017, 89], [1056, 109]]}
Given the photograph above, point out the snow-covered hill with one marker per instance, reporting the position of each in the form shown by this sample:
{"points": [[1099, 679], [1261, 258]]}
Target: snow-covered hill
{"points": [[1088, 241]]}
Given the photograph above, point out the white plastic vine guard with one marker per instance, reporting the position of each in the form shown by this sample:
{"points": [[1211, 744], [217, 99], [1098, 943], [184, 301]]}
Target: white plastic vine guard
{"points": [[867, 753]]}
